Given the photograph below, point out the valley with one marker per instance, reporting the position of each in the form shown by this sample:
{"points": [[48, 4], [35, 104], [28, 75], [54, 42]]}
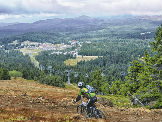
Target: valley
{"points": [[120, 57]]}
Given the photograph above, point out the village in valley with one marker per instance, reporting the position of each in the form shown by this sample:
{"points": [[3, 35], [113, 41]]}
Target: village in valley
{"points": [[29, 47], [34, 48]]}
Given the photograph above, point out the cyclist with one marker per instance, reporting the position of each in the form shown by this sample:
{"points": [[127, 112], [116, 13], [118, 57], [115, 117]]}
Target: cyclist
{"points": [[90, 96]]}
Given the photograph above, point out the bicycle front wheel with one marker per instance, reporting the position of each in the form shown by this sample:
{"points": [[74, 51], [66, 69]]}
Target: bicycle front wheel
{"points": [[80, 109]]}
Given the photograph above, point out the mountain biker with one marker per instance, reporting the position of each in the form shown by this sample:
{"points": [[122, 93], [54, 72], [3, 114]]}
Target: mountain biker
{"points": [[90, 96]]}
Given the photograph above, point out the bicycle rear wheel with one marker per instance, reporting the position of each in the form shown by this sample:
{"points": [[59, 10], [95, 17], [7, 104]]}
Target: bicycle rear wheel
{"points": [[99, 114]]}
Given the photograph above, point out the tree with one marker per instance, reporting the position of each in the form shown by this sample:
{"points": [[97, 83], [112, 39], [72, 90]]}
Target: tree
{"points": [[115, 88], [145, 76], [4, 74], [98, 82], [132, 81], [1, 73], [15, 74], [157, 58]]}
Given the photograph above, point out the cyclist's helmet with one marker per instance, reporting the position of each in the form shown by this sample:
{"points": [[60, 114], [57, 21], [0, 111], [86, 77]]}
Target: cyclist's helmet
{"points": [[80, 84]]}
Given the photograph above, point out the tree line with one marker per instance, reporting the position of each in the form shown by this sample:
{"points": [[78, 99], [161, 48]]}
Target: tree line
{"points": [[111, 73], [144, 79], [14, 63]]}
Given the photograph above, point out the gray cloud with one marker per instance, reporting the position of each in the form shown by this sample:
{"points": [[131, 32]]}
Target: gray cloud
{"points": [[4, 9], [31, 8], [115, 7], [80, 6]]}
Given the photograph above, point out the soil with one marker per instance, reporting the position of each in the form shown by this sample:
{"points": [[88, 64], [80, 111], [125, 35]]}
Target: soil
{"points": [[28, 101]]}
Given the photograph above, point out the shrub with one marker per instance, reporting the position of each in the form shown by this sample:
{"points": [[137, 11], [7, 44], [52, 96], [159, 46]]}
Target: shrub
{"points": [[15, 74]]}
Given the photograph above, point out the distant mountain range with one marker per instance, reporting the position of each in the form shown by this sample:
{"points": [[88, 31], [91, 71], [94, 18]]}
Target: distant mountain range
{"points": [[82, 23], [55, 24], [6, 24], [80, 28]]}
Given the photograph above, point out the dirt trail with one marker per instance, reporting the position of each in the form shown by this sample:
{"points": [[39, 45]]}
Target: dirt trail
{"points": [[28, 101]]}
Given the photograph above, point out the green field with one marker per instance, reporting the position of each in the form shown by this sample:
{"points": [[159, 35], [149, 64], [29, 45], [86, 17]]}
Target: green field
{"points": [[73, 62]]}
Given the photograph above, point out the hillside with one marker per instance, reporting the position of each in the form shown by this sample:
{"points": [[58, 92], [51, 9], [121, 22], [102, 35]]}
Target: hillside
{"points": [[29, 101], [82, 23], [80, 28]]}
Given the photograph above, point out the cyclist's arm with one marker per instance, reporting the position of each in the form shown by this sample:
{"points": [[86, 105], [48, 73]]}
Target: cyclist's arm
{"points": [[78, 98]]}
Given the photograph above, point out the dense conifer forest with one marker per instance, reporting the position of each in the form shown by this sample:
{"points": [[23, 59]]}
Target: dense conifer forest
{"points": [[129, 54]]}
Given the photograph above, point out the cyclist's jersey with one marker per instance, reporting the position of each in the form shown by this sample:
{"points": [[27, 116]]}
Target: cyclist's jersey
{"points": [[85, 93]]}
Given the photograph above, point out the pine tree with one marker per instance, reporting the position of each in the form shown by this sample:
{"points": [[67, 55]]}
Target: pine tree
{"points": [[145, 76], [157, 58], [98, 82], [133, 82], [4, 74], [1, 73]]}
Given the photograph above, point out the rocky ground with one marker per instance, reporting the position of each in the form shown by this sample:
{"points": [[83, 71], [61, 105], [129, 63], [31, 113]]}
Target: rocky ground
{"points": [[28, 101]]}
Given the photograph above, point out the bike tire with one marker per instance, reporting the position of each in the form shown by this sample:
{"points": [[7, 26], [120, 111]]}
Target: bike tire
{"points": [[96, 115], [99, 114], [80, 109]]}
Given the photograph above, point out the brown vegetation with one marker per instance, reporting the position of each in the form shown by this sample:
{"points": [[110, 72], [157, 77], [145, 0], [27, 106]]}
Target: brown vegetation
{"points": [[29, 101]]}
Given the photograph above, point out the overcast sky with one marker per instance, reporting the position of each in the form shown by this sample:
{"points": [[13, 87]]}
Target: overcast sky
{"points": [[32, 10]]}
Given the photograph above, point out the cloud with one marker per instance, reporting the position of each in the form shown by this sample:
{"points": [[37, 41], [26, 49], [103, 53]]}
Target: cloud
{"points": [[80, 6], [29, 6], [116, 7], [16, 8], [30, 9]]}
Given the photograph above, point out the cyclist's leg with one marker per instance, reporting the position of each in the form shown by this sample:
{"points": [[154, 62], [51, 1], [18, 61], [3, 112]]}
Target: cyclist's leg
{"points": [[94, 99], [89, 105], [91, 101]]}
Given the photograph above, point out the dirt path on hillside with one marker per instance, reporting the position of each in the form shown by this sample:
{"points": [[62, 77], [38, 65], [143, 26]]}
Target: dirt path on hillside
{"points": [[24, 101]]}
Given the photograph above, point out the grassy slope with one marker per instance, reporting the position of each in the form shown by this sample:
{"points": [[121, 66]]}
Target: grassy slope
{"points": [[119, 101], [73, 62], [32, 53], [30, 101]]}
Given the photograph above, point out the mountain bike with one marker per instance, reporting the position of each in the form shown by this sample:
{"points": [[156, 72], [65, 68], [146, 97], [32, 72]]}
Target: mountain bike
{"points": [[93, 112]]}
